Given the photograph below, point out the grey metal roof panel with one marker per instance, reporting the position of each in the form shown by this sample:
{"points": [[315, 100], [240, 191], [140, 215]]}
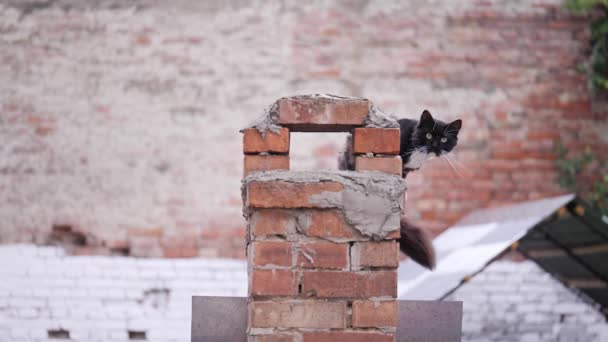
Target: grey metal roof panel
{"points": [[471, 244], [542, 207], [563, 235]]}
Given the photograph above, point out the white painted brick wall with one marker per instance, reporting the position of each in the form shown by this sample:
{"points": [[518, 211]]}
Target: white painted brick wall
{"points": [[519, 302], [101, 298]]}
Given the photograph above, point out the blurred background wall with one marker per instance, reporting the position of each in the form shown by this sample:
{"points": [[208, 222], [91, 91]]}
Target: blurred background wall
{"points": [[119, 119]]}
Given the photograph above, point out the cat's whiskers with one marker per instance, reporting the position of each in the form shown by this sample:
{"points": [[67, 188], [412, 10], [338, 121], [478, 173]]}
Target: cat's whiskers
{"points": [[457, 163], [451, 165], [412, 150], [458, 169]]}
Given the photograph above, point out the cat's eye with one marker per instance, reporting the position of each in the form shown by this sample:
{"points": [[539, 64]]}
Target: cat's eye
{"points": [[444, 139], [429, 136]]}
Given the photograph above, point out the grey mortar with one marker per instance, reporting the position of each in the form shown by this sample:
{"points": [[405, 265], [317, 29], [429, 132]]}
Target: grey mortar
{"points": [[378, 119], [269, 120], [371, 201]]}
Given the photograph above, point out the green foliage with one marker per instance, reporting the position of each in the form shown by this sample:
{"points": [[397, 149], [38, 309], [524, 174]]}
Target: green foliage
{"points": [[571, 167], [584, 5], [597, 67], [599, 195], [599, 56]]}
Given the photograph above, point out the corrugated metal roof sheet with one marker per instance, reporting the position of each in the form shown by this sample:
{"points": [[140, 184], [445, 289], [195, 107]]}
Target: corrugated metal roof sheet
{"points": [[562, 234], [473, 243]]}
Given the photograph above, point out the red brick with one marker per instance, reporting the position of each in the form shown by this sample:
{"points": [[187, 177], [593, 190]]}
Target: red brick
{"points": [[45, 130], [350, 336], [298, 314], [90, 250], [180, 251], [317, 114], [116, 243], [252, 163], [153, 232], [376, 140], [142, 39], [274, 338], [272, 283], [502, 165], [323, 255], [329, 224], [267, 253], [369, 314], [270, 222], [512, 155], [390, 165], [286, 194], [180, 246], [144, 246], [375, 254], [393, 235], [336, 284], [254, 142], [329, 73], [543, 135]]}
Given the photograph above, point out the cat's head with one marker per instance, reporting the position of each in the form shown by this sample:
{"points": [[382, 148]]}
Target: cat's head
{"points": [[435, 136]]}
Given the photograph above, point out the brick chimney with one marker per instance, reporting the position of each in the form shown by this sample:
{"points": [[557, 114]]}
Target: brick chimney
{"points": [[322, 251]]}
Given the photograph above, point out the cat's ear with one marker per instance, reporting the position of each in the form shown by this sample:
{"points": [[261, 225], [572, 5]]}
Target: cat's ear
{"points": [[426, 119], [455, 126]]}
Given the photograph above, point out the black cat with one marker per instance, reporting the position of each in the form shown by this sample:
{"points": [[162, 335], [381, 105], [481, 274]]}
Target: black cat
{"points": [[425, 139], [420, 140]]}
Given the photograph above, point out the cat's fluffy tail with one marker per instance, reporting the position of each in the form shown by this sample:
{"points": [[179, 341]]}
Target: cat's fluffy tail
{"points": [[416, 243]]}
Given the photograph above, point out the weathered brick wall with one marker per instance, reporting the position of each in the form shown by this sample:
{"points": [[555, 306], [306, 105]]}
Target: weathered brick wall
{"points": [[322, 255], [121, 121]]}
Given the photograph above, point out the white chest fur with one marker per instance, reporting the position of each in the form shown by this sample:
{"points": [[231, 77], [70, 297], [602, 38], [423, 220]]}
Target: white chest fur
{"points": [[416, 160]]}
